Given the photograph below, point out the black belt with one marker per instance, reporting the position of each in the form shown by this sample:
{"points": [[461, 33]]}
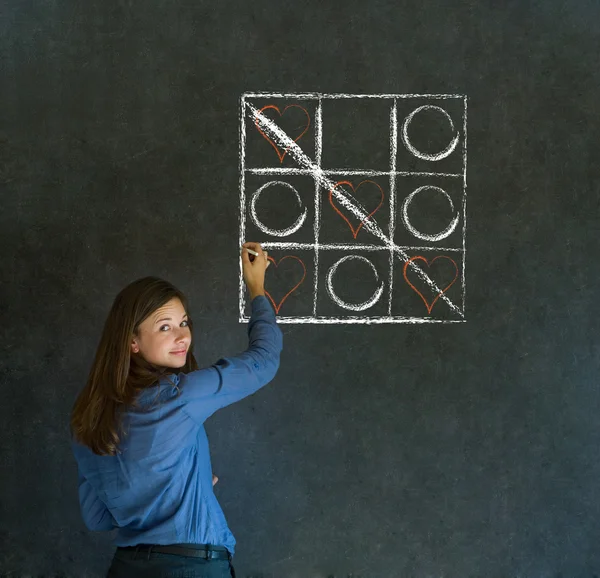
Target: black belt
{"points": [[205, 551]]}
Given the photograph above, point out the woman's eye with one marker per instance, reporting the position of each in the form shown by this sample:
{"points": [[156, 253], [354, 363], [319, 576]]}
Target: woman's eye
{"points": [[185, 321]]}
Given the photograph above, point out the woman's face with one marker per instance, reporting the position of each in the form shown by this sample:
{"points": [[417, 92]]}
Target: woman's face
{"points": [[164, 337]]}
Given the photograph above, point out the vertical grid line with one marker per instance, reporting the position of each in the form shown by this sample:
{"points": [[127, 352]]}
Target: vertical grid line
{"points": [[393, 150], [242, 199], [464, 208], [317, 223]]}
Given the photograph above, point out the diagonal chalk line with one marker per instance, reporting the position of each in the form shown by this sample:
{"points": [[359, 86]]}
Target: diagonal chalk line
{"points": [[345, 199]]}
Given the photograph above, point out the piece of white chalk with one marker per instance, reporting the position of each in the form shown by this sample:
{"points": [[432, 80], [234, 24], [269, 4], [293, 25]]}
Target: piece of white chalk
{"points": [[251, 251]]}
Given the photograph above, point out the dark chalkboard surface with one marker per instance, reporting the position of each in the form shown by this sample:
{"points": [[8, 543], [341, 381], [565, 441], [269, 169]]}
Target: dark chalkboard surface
{"points": [[406, 438]]}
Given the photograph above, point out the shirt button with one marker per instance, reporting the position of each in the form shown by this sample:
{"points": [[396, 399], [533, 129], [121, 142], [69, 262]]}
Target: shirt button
{"points": [[255, 365]]}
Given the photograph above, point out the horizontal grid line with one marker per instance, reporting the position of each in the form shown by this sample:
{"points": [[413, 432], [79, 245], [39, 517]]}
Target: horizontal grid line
{"points": [[342, 172], [334, 246], [317, 95], [358, 320]]}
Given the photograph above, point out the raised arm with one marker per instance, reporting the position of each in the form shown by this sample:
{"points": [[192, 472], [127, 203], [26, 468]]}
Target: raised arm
{"points": [[232, 378]]}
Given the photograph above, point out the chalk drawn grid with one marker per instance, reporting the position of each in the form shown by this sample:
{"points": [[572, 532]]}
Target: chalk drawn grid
{"points": [[308, 166]]}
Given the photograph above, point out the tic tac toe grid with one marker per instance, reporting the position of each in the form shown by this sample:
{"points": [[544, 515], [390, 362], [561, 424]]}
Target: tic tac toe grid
{"points": [[408, 264]]}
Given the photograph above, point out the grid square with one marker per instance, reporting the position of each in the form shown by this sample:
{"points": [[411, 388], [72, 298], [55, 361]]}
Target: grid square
{"points": [[291, 283], [280, 208], [428, 211], [353, 284], [430, 135], [296, 116], [338, 225], [356, 134], [382, 239], [412, 294]]}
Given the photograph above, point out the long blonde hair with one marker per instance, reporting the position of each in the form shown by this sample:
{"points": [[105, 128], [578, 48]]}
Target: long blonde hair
{"points": [[117, 377]]}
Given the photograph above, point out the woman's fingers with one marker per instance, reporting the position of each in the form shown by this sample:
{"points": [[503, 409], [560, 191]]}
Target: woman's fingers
{"points": [[254, 246]]}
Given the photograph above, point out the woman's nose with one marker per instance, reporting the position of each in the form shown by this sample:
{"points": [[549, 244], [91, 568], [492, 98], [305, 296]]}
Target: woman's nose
{"points": [[183, 334]]}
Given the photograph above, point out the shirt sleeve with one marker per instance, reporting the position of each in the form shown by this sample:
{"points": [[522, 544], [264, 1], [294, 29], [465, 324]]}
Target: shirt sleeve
{"points": [[95, 514], [230, 379]]}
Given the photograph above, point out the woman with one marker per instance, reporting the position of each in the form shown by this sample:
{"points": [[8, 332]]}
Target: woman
{"points": [[138, 433]]}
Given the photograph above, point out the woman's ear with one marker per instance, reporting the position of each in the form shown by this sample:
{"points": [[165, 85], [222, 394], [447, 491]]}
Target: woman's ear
{"points": [[134, 346]]}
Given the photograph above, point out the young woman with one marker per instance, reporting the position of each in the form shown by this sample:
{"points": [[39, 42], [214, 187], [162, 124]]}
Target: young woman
{"points": [[138, 435]]}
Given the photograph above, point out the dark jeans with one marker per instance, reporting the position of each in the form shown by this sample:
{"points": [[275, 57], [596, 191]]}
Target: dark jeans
{"points": [[128, 564]]}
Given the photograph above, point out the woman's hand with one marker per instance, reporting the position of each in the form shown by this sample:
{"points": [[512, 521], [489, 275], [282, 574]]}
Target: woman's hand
{"points": [[254, 269], [215, 480]]}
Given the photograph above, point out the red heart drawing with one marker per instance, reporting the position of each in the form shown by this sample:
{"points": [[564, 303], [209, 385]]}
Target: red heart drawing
{"points": [[272, 106], [277, 307], [354, 232], [430, 307]]}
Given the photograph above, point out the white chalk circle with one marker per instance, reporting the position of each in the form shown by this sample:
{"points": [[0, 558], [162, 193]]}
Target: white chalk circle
{"points": [[425, 156], [361, 306], [276, 232], [447, 231]]}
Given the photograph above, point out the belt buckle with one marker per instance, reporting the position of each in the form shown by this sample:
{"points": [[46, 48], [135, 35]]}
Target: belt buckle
{"points": [[210, 553]]}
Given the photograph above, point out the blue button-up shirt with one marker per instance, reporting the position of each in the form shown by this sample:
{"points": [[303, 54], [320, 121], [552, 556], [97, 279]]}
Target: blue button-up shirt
{"points": [[159, 489]]}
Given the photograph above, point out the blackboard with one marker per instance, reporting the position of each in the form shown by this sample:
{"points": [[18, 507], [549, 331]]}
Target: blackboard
{"points": [[461, 447]]}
